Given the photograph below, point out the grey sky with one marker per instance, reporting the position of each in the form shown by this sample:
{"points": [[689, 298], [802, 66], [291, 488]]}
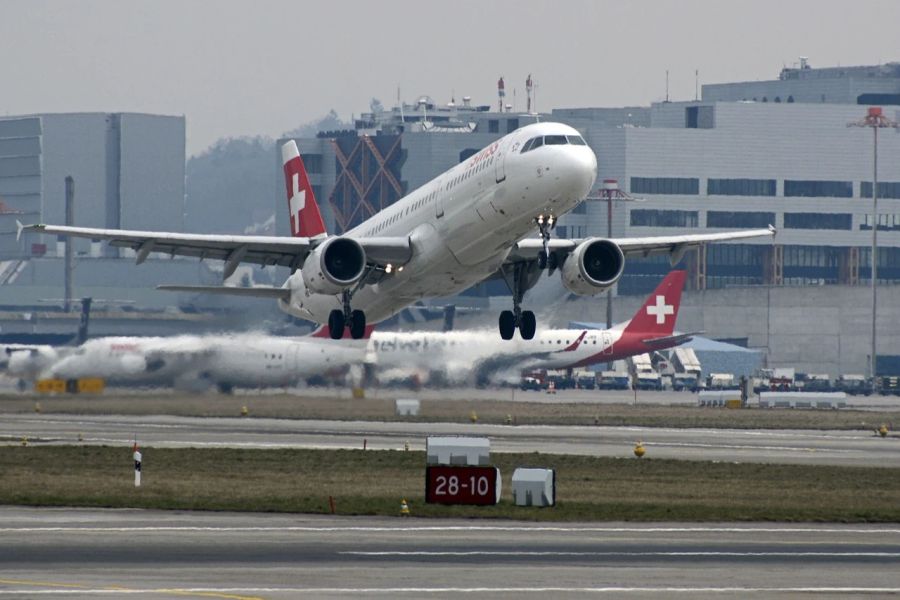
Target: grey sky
{"points": [[247, 68]]}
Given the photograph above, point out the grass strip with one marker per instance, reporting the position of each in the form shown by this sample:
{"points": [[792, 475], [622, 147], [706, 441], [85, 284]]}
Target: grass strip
{"points": [[456, 411], [374, 482]]}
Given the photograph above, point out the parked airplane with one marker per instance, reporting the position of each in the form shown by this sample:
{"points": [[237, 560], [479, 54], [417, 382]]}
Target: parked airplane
{"points": [[464, 226], [478, 357]]}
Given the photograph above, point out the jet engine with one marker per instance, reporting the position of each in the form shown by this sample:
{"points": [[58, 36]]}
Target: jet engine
{"points": [[334, 266], [593, 267]]}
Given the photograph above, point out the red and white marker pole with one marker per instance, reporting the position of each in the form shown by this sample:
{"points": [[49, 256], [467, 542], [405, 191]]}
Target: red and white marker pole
{"points": [[137, 466]]}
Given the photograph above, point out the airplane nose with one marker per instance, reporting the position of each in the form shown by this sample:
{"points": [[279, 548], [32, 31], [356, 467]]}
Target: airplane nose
{"points": [[581, 169]]}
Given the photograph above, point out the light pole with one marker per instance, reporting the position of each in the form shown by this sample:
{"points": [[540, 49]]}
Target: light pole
{"points": [[876, 120], [610, 191]]}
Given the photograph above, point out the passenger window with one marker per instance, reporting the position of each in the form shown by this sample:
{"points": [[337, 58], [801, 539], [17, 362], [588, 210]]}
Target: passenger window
{"points": [[577, 140], [555, 140]]}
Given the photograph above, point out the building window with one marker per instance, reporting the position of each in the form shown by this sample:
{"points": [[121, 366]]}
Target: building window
{"points": [[692, 117], [740, 187], [493, 126], [663, 218], [886, 189], [739, 220], [580, 209], [885, 223], [804, 265], [818, 189], [735, 264], [665, 185], [817, 221], [511, 125]]}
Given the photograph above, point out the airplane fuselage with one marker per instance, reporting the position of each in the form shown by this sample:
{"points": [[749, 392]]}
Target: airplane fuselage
{"points": [[462, 355], [463, 223]]}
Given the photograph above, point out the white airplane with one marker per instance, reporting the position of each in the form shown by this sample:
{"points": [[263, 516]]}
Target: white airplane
{"points": [[464, 226], [478, 357], [195, 362]]}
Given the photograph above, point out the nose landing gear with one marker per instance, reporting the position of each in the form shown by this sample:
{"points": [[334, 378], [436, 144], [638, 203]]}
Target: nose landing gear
{"points": [[545, 224]]}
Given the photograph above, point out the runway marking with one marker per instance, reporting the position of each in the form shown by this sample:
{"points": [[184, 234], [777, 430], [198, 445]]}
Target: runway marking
{"points": [[77, 588], [629, 554], [227, 592], [433, 528]]}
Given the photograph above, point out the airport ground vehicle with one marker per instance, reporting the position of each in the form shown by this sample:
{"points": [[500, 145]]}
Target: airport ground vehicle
{"points": [[854, 385], [682, 382], [614, 380]]}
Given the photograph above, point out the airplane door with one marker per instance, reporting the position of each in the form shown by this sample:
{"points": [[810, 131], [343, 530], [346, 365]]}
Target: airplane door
{"points": [[439, 202], [500, 164], [607, 342]]}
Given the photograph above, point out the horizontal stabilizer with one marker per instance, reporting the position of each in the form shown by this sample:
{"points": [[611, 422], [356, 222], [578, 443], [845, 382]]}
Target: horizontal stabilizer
{"points": [[671, 340], [278, 293]]}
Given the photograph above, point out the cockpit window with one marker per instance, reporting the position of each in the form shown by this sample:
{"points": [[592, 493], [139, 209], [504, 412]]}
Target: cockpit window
{"points": [[552, 140]]}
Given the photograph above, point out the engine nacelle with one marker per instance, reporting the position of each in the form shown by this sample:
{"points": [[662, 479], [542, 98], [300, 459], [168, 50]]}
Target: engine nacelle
{"points": [[334, 266], [593, 267]]}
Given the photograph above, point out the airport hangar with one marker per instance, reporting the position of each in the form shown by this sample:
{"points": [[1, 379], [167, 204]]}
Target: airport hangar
{"points": [[744, 155]]}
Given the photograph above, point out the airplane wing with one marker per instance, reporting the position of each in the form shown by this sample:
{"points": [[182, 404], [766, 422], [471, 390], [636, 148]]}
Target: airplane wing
{"points": [[675, 245], [277, 293], [233, 249], [671, 340]]}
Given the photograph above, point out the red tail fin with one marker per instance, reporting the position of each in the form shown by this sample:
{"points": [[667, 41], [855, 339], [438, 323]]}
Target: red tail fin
{"points": [[657, 315], [325, 332], [306, 220]]}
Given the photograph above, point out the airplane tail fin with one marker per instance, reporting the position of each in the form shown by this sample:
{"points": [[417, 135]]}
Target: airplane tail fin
{"points": [[306, 220], [658, 314], [323, 331]]}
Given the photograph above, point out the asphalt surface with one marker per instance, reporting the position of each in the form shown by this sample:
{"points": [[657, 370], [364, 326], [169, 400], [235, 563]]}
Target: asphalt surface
{"points": [[858, 448], [79, 553]]}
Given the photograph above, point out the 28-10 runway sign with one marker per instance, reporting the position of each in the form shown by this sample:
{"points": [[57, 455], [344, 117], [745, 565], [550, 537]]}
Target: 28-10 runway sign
{"points": [[462, 485]]}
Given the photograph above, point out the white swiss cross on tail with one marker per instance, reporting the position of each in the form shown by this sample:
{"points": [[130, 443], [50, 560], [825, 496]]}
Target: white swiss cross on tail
{"points": [[306, 220], [297, 202], [660, 310]]}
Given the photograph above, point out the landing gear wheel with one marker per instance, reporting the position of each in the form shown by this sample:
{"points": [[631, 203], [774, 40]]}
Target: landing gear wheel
{"points": [[336, 324], [357, 324], [527, 325], [507, 324]]}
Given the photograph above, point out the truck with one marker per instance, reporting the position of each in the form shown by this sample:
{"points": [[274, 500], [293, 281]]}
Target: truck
{"points": [[720, 381], [614, 380], [585, 380], [686, 382], [854, 385], [648, 381]]}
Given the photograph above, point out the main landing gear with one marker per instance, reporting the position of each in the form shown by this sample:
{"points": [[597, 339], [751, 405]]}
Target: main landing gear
{"points": [[520, 277], [523, 320], [339, 319]]}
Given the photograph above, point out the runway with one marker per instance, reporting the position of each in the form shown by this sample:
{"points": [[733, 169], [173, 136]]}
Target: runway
{"points": [[80, 553], [856, 448]]}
